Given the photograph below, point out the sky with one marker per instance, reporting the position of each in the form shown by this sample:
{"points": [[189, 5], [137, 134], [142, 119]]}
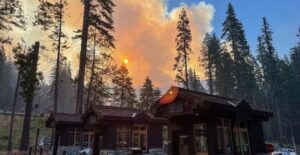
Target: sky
{"points": [[283, 16], [145, 32]]}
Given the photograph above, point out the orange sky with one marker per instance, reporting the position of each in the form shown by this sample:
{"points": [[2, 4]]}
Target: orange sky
{"points": [[145, 34]]}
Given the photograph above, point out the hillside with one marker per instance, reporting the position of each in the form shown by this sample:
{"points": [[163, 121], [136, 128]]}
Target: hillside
{"points": [[37, 122]]}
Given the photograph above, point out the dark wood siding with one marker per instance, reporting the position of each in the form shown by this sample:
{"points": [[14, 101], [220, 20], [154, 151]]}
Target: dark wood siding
{"points": [[257, 141], [155, 136]]}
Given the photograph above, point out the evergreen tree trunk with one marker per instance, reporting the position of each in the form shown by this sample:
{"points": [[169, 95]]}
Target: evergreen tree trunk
{"points": [[27, 116], [186, 71], [13, 115], [236, 66], [92, 75], [122, 92], [279, 122], [83, 56], [58, 58], [210, 82]]}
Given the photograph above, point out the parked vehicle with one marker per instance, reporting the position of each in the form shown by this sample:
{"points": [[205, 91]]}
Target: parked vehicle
{"points": [[284, 151]]}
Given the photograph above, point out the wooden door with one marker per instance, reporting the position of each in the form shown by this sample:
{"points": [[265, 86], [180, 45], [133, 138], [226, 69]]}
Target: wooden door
{"points": [[183, 145]]}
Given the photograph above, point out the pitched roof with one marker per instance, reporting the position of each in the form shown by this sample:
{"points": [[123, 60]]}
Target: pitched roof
{"points": [[114, 111], [109, 112], [62, 118], [195, 97], [184, 93]]}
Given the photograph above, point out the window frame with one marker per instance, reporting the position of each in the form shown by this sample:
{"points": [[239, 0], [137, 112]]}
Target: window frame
{"points": [[224, 141], [77, 136], [123, 130], [139, 132], [90, 137], [200, 136]]}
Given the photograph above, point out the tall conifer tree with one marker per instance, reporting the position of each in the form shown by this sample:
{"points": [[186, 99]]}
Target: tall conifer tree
{"points": [[123, 93], [269, 62], [183, 41], [49, 17], [244, 76], [208, 61], [97, 15], [148, 95], [27, 64], [195, 82]]}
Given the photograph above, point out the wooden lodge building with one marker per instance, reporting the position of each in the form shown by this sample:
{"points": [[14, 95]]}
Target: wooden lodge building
{"points": [[203, 124], [109, 128], [198, 124]]}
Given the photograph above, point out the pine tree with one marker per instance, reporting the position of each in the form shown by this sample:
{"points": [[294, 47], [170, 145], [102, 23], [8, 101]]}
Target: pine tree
{"points": [[123, 92], [100, 66], [244, 75], [295, 65], [183, 41], [50, 17], [208, 61], [295, 57], [27, 65], [195, 82], [11, 15], [97, 15], [211, 59], [295, 88], [269, 62], [224, 82], [66, 88], [268, 57], [148, 95]]}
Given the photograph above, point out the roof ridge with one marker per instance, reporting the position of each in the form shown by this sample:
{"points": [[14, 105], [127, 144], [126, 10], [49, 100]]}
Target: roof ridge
{"points": [[203, 93], [116, 107]]}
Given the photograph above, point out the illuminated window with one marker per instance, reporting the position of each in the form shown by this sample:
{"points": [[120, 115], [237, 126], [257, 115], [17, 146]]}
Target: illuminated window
{"points": [[200, 138], [224, 136], [139, 136], [123, 136]]}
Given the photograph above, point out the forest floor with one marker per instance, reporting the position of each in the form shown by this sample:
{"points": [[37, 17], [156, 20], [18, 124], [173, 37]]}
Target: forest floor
{"points": [[36, 122]]}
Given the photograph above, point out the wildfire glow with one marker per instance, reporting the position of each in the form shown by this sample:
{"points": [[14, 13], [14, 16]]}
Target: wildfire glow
{"points": [[126, 61], [170, 96]]}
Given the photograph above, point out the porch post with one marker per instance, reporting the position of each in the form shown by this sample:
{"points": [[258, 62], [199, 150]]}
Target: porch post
{"points": [[96, 145], [56, 144], [212, 133], [233, 136], [96, 148]]}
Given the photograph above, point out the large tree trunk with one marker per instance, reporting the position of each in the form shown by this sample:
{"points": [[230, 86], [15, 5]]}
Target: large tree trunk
{"points": [[58, 59], [27, 117], [83, 56], [279, 121], [186, 71], [210, 82], [92, 75]]}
